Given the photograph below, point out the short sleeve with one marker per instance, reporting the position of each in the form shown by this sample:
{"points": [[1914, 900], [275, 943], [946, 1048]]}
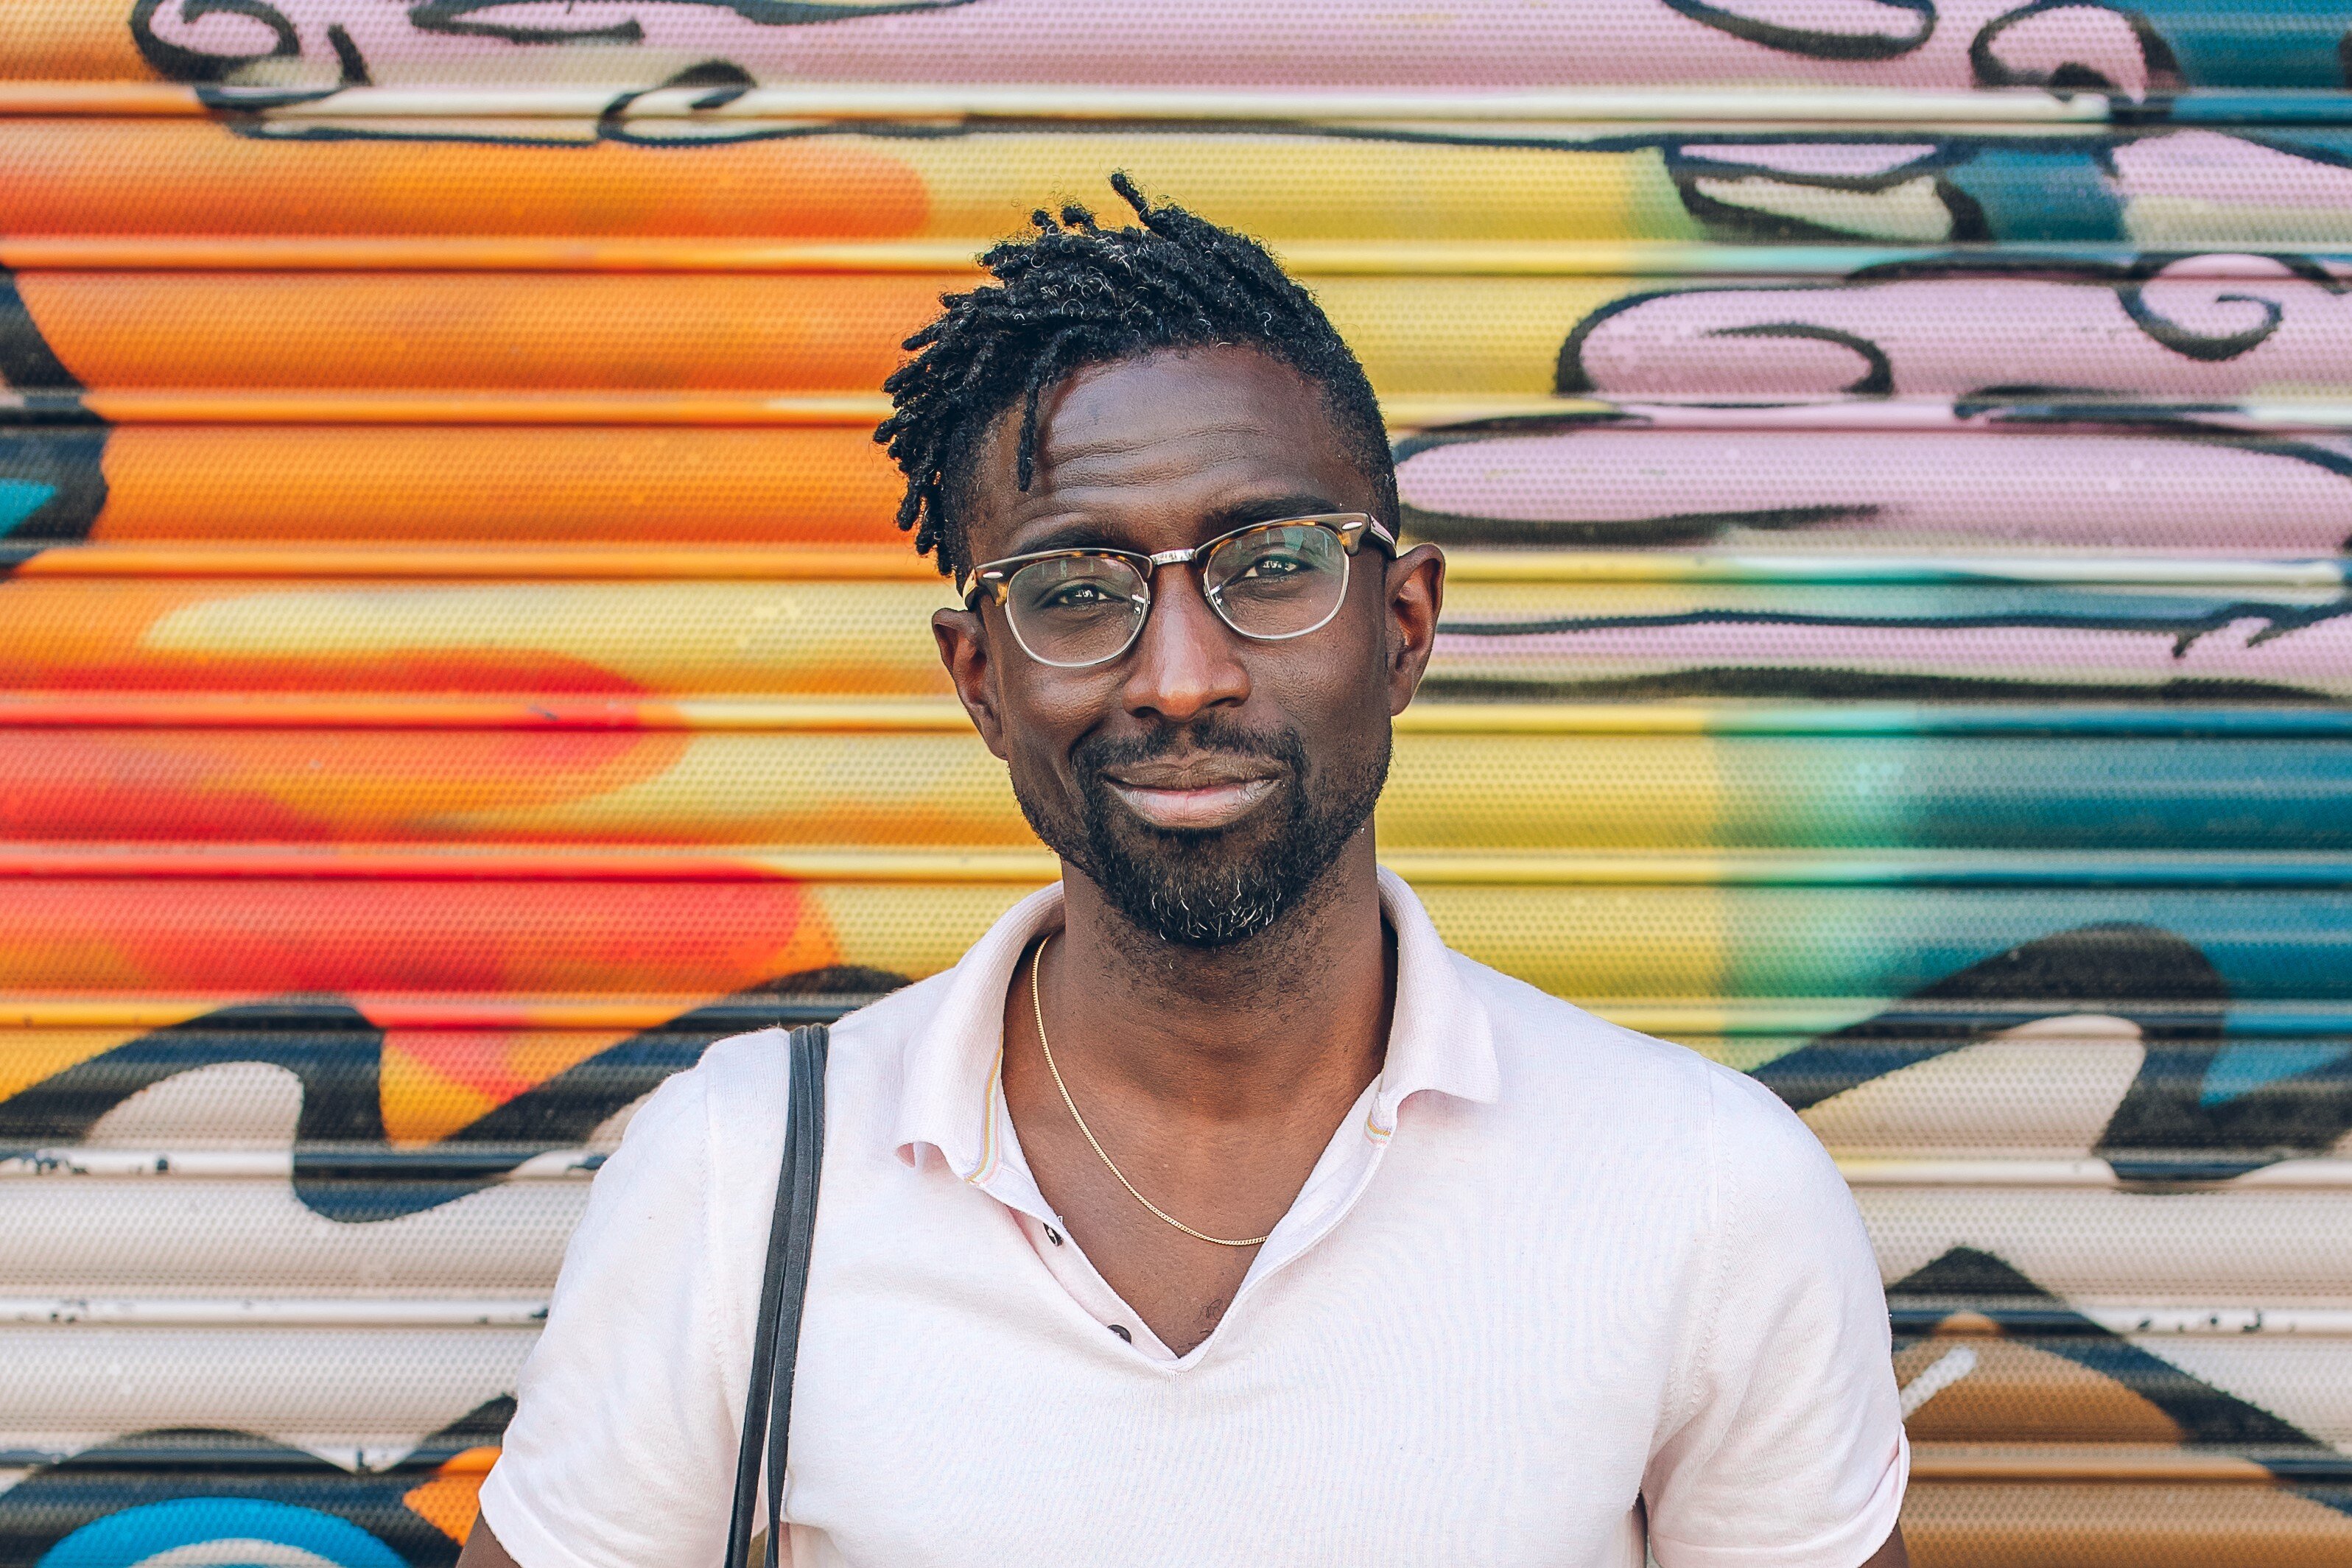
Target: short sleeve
{"points": [[1789, 1452], [622, 1449]]}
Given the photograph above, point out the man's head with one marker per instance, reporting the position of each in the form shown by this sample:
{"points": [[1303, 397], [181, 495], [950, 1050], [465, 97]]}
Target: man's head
{"points": [[1147, 392]]}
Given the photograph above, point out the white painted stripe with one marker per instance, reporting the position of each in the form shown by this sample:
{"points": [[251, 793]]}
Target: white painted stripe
{"points": [[566, 1165], [1941, 1374], [2330, 1175], [272, 1311], [552, 1165], [2307, 1323], [529, 1312]]}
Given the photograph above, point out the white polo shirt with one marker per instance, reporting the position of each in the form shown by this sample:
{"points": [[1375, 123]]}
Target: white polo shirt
{"points": [[1553, 1289]]}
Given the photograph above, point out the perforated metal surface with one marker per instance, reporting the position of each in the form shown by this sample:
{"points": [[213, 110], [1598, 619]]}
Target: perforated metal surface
{"points": [[455, 661]]}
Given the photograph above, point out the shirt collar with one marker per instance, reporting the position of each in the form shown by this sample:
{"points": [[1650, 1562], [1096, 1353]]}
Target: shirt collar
{"points": [[1441, 1037]]}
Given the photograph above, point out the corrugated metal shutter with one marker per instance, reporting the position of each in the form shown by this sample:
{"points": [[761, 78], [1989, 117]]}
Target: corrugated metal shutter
{"points": [[455, 661]]}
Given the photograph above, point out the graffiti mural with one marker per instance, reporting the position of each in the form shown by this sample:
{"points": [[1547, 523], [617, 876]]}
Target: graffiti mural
{"points": [[2145, 47], [456, 664]]}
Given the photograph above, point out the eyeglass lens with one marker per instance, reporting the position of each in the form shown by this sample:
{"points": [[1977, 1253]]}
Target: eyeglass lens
{"points": [[1281, 581]]}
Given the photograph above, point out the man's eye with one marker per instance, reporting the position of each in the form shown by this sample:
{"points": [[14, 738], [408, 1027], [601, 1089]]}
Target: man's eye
{"points": [[1079, 596], [1267, 566]]}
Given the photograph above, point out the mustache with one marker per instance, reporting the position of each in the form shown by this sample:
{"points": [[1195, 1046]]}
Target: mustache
{"points": [[1201, 736]]}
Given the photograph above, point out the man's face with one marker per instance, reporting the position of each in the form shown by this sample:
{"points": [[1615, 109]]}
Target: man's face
{"points": [[1203, 780]]}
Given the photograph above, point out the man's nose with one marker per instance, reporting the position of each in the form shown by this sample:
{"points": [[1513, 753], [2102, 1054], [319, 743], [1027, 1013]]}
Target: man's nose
{"points": [[1183, 662]]}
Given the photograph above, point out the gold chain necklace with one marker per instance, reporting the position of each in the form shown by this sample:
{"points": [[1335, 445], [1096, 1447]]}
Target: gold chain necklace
{"points": [[1038, 1007]]}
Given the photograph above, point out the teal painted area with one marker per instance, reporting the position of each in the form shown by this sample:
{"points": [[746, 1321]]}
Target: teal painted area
{"points": [[2033, 792], [2292, 44], [19, 499], [2243, 1068], [2035, 195], [2266, 945]]}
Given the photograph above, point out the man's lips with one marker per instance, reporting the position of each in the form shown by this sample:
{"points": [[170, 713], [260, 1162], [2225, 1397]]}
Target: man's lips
{"points": [[1189, 799]]}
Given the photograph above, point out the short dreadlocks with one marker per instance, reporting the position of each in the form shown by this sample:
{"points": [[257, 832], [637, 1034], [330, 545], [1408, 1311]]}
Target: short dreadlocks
{"points": [[1076, 294]]}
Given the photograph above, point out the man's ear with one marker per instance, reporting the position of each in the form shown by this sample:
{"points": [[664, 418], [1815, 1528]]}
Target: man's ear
{"points": [[1415, 586], [963, 649]]}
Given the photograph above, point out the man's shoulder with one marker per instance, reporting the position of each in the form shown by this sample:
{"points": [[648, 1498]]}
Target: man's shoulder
{"points": [[744, 1078], [1559, 1051], [1539, 1032], [749, 1062]]}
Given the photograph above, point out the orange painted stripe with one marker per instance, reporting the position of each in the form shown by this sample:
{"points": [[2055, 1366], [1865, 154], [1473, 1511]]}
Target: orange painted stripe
{"points": [[685, 562], [2088, 1462], [561, 334], [275, 253], [859, 411], [238, 710], [492, 408], [517, 484], [67, 96], [135, 1012], [275, 937], [350, 864], [90, 180]]}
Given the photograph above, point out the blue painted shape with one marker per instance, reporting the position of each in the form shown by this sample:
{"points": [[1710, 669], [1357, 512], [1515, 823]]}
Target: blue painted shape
{"points": [[19, 499], [279, 1533], [2243, 1068], [2294, 44], [2044, 195]]}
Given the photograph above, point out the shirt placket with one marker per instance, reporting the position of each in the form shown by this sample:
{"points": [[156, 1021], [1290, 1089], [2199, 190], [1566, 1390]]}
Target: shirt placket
{"points": [[1339, 1177]]}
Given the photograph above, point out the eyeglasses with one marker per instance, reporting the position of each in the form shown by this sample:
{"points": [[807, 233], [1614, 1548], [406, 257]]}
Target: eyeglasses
{"points": [[1269, 581]]}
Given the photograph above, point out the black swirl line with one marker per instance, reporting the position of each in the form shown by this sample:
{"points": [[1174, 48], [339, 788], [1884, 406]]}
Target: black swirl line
{"points": [[2191, 345], [1878, 380], [177, 64], [2157, 58], [1810, 42], [455, 16], [2184, 629]]}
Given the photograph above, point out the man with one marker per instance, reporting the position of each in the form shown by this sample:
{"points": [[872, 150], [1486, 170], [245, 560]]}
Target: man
{"points": [[1210, 1211]]}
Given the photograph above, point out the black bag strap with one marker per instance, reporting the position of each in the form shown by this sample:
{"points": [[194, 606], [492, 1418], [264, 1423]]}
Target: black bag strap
{"points": [[776, 1337]]}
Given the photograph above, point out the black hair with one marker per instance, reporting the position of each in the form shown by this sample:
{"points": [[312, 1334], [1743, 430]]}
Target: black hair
{"points": [[1075, 295]]}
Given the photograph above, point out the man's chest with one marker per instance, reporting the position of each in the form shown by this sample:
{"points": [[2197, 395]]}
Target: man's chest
{"points": [[1440, 1404]]}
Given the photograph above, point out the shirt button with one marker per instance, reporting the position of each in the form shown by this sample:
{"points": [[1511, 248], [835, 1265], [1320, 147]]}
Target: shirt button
{"points": [[1120, 1330], [1053, 1236]]}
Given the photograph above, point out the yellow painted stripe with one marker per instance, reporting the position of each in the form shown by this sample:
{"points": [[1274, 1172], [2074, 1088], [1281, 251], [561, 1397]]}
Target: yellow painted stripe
{"points": [[1407, 412], [1674, 1018], [898, 562], [919, 716], [1528, 868], [1305, 258], [717, 563], [28, 1053]]}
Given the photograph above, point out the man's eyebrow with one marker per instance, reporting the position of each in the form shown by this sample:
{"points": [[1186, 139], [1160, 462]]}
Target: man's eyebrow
{"points": [[1240, 514], [1077, 534], [1082, 533]]}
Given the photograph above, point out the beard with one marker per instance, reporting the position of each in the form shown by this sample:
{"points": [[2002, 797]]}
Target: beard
{"points": [[1209, 887]]}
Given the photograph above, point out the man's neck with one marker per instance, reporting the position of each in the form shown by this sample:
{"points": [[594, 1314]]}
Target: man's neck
{"points": [[1236, 1031]]}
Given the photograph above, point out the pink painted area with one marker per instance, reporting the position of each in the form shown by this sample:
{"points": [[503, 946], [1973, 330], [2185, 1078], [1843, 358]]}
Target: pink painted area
{"points": [[2118, 492], [2230, 171], [2314, 658], [1452, 44], [1946, 336], [2038, 46]]}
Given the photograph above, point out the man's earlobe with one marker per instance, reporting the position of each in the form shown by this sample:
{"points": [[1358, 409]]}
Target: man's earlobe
{"points": [[963, 649]]}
